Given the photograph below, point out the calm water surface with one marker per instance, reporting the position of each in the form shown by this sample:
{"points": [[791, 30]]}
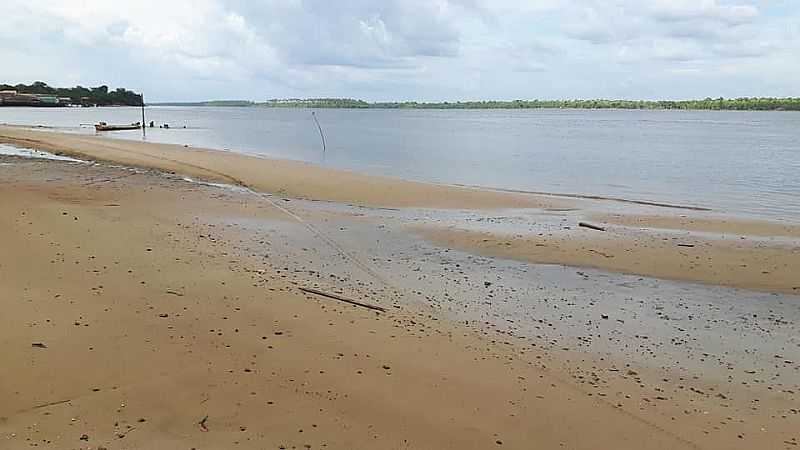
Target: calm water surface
{"points": [[738, 162]]}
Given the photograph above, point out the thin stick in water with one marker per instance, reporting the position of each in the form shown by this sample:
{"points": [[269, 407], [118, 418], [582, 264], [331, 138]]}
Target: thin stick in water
{"points": [[314, 115]]}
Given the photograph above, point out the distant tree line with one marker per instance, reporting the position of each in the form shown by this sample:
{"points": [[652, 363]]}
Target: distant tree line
{"points": [[317, 103], [740, 104], [207, 103], [100, 95]]}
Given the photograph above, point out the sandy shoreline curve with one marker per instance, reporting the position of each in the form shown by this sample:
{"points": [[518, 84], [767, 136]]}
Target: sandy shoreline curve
{"points": [[748, 254], [283, 177]]}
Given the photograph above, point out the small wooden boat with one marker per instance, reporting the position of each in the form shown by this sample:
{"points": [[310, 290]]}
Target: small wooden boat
{"points": [[102, 126]]}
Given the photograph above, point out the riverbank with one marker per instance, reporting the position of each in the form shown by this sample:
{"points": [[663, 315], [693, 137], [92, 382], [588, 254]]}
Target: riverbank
{"points": [[291, 178], [741, 104], [192, 332], [657, 241]]}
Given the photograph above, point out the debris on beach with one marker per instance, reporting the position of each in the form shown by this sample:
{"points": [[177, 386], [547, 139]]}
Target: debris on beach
{"points": [[342, 299], [202, 424], [591, 226]]}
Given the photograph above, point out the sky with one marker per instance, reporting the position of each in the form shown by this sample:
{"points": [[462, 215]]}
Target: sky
{"points": [[392, 50]]}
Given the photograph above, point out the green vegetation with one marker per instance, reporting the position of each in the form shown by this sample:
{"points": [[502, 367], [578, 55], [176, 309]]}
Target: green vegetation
{"points": [[740, 104], [207, 103], [737, 104], [318, 103], [79, 95], [102, 96]]}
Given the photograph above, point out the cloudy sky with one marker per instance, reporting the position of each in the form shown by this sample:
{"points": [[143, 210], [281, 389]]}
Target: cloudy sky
{"points": [[408, 49]]}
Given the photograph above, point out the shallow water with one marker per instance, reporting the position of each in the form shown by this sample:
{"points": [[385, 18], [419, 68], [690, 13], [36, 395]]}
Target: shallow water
{"points": [[744, 163], [8, 150]]}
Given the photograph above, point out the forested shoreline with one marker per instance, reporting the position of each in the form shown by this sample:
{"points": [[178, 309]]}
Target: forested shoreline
{"points": [[41, 93], [103, 96], [737, 104]]}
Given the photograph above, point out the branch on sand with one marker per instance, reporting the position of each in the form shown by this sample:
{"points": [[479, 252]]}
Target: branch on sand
{"points": [[591, 226], [342, 299]]}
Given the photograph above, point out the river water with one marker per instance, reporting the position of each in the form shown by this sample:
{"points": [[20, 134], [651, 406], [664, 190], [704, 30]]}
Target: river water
{"points": [[745, 163]]}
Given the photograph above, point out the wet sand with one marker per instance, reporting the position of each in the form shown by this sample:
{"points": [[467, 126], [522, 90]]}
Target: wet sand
{"points": [[175, 334], [742, 262], [195, 312], [716, 225], [719, 364]]}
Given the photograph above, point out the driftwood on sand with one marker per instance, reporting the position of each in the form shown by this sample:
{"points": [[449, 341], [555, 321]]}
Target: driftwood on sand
{"points": [[591, 226], [343, 299]]}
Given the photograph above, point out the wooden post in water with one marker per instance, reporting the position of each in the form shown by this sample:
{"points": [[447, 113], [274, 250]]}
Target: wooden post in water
{"points": [[144, 125]]}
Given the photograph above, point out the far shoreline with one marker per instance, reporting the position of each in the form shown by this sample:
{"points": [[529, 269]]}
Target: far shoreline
{"points": [[706, 104]]}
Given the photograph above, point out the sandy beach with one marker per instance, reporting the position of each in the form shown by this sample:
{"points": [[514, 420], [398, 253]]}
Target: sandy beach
{"points": [[142, 310], [656, 241]]}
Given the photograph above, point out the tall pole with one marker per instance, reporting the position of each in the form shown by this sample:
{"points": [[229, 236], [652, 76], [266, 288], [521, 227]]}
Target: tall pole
{"points": [[144, 133]]}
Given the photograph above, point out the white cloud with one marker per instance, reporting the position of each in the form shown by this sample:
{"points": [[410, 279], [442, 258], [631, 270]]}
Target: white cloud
{"points": [[689, 10], [407, 49]]}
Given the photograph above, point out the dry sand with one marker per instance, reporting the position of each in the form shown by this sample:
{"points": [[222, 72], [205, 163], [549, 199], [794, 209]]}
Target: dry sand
{"points": [[152, 324]]}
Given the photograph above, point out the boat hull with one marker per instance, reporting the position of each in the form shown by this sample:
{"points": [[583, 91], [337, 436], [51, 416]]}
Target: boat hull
{"points": [[102, 127]]}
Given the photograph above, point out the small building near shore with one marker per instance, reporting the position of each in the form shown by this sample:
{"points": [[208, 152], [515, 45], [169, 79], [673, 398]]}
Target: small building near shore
{"points": [[15, 98]]}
